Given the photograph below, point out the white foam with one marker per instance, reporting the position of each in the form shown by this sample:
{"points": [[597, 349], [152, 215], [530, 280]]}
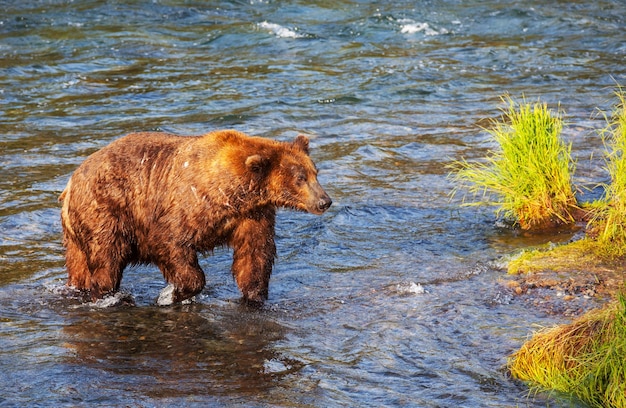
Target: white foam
{"points": [[279, 30], [114, 299], [275, 366], [412, 27], [411, 288], [61, 289], [166, 297]]}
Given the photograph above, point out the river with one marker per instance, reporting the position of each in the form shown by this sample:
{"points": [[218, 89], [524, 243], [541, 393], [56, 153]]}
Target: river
{"points": [[394, 297]]}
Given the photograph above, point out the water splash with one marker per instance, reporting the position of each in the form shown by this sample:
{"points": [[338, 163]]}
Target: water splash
{"points": [[280, 31], [409, 26], [411, 288], [116, 299]]}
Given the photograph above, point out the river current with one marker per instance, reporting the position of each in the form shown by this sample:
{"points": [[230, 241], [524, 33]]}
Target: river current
{"points": [[394, 297]]}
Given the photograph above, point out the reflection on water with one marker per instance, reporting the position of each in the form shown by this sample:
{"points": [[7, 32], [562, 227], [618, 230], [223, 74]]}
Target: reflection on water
{"points": [[160, 349], [390, 93]]}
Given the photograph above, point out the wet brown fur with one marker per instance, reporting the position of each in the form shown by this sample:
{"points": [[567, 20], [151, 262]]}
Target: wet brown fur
{"points": [[157, 198]]}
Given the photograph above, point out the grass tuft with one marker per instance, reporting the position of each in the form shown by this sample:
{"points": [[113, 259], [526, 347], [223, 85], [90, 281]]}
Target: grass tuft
{"points": [[586, 358], [609, 222], [529, 177]]}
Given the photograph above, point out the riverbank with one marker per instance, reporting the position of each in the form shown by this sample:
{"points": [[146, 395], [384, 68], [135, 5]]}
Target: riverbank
{"points": [[567, 280]]}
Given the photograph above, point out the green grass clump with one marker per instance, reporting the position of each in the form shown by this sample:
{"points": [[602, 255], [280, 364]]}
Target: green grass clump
{"points": [[586, 358], [529, 177], [609, 222]]}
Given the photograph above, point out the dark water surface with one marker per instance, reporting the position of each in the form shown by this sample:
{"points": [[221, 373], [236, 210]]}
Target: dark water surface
{"points": [[391, 297]]}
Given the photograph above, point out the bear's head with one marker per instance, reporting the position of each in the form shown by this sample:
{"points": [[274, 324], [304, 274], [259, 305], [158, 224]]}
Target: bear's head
{"points": [[289, 177]]}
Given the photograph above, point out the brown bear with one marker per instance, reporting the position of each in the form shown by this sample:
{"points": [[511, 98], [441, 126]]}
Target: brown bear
{"points": [[158, 198]]}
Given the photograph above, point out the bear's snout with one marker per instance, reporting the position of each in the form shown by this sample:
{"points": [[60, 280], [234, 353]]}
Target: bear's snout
{"points": [[317, 201], [324, 203]]}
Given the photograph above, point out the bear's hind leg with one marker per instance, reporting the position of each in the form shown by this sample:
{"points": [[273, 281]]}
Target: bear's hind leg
{"points": [[184, 276], [105, 280], [78, 273], [106, 275], [107, 260]]}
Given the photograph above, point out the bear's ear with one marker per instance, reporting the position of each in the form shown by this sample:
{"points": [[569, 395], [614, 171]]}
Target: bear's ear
{"points": [[256, 164], [302, 143]]}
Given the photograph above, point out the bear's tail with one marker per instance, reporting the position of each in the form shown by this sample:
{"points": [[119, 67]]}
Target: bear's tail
{"points": [[66, 191], [65, 216]]}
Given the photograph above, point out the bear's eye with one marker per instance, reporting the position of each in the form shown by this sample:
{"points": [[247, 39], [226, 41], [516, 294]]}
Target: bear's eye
{"points": [[301, 178]]}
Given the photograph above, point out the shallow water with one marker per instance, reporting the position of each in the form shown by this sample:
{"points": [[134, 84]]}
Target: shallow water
{"points": [[390, 298]]}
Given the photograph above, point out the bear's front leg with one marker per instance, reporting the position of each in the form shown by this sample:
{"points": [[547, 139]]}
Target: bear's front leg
{"points": [[254, 251]]}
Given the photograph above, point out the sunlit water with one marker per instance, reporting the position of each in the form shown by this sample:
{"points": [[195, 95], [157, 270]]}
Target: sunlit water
{"points": [[391, 297]]}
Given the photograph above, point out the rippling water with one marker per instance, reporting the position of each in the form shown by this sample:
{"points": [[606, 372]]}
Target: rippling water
{"points": [[390, 298]]}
